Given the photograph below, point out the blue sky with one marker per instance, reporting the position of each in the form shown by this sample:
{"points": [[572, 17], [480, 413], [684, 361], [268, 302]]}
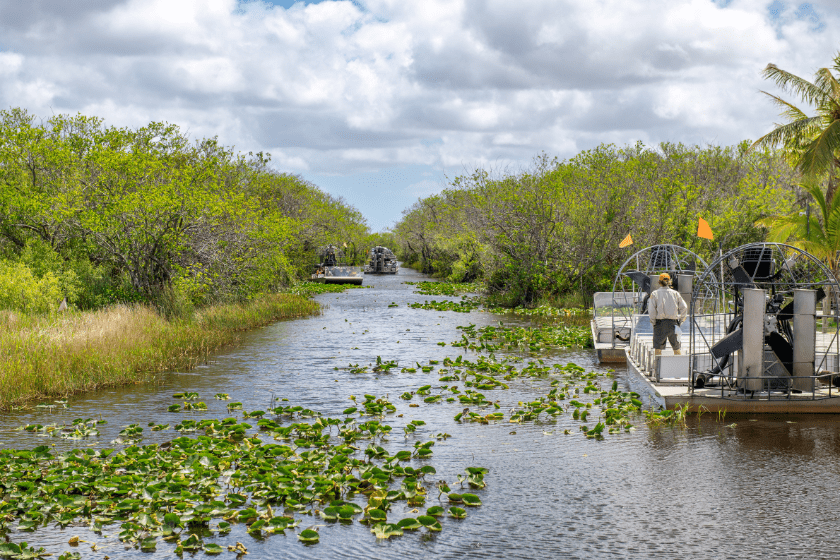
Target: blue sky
{"points": [[380, 101]]}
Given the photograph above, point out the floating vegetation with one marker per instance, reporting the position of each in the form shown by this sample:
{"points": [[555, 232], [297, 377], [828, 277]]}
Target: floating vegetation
{"points": [[545, 311], [79, 429], [616, 408], [53, 405], [309, 289], [189, 489], [445, 288], [531, 339], [384, 365], [670, 417], [463, 306], [23, 550]]}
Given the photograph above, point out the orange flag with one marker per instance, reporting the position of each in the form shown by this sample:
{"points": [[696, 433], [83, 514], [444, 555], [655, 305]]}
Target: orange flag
{"points": [[626, 241], [703, 229]]}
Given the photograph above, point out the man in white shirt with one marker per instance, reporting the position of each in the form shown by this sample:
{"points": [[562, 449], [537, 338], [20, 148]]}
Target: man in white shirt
{"points": [[667, 310]]}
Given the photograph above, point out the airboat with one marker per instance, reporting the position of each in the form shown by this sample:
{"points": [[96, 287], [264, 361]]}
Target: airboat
{"points": [[381, 260], [332, 268], [761, 334]]}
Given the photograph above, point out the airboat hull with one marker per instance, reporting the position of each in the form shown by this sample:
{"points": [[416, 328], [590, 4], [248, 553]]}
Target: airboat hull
{"points": [[673, 393], [608, 352], [357, 280]]}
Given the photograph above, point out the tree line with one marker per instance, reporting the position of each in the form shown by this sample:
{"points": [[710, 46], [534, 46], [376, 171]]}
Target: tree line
{"points": [[551, 233], [100, 214]]}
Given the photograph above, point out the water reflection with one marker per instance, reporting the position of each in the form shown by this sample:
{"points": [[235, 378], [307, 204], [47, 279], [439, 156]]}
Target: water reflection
{"points": [[736, 488]]}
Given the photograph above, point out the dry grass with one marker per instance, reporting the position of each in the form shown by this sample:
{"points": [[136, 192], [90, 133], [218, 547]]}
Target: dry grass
{"points": [[60, 354]]}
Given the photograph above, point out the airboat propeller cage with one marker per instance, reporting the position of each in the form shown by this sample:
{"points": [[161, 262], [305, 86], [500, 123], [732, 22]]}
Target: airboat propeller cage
{"points": [[381, 260], [639, 276], [754, 321]]}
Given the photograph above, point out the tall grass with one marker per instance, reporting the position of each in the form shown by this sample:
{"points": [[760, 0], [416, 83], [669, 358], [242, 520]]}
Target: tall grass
{"points": [[59, 354]]}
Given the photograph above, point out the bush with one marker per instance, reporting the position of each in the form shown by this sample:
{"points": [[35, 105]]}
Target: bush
{"points": [[21, 290]]}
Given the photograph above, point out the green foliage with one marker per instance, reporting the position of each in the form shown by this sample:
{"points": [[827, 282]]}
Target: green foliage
{"points": [[811, 143], [146, 214], [819, 234], [554, 230], [21, 290], [275, 483]]}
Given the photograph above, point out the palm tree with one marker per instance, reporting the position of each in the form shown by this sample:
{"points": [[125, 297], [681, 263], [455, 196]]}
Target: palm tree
{"points": [[817, 234], [812, 142]]}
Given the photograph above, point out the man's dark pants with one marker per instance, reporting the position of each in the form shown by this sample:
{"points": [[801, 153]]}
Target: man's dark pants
{"points": [[664, 330]]}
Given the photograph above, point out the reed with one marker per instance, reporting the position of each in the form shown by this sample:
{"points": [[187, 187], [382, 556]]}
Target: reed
{"points": [[55, 355]]}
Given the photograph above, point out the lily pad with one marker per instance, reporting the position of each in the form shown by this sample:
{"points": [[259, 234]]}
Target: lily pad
{"points": [[193, 542], [435, 511], [409, 524], [377, 515], [457, 513], [471, 499], [426, 520], [213, 548], [308, 536], [386, 530]]}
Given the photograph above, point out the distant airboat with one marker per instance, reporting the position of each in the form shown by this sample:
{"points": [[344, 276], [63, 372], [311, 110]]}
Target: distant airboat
{"points": [[381, 260], [332, 268]]}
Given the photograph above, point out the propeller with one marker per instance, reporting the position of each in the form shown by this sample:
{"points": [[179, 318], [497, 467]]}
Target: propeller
{"points": [[640, 278], [742, 278]]}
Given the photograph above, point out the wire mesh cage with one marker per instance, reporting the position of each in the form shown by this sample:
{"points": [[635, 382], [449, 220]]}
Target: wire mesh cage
{"points": [[767, 306], [330, 255], [381, 260], [636, 279]]}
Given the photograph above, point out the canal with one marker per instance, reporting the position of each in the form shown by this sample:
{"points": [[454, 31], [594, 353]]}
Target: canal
{"points": [[734, 487]]}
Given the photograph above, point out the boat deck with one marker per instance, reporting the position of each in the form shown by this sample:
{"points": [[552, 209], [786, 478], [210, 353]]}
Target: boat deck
{"points": [[673, 392]]}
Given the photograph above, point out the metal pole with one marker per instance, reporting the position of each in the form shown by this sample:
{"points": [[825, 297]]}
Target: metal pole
{"points": [[807, 219]]}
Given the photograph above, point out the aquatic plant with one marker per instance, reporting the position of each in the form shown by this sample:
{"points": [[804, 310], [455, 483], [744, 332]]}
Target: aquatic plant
{"points": [[176, 491], [531, 339], [671, 417], [309, 289], [384, 365], [446, 288], [463, 306]]}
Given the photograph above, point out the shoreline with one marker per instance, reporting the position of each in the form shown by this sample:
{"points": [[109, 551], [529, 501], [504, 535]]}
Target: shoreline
{"points": [[58, 355]]}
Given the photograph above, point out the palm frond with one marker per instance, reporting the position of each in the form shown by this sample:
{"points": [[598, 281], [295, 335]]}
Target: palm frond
{"points": [[782, 233], [819, 156], [825, 80], [815, 248], [837, 62], [790, 111], [791, 132], [811, 93]]}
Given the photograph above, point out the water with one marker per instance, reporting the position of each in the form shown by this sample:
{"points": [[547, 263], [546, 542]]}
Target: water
{"points": [[744, 487]]}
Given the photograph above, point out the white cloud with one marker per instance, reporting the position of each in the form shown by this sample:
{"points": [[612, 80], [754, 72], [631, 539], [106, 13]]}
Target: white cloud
{"points": [[334, 88], [422, 189]]}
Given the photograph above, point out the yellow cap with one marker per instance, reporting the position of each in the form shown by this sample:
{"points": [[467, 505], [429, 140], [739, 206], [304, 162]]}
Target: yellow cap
{"points": [[664, 277]]}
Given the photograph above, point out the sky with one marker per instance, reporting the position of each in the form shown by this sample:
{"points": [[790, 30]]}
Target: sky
{"points": [[385, 101]]}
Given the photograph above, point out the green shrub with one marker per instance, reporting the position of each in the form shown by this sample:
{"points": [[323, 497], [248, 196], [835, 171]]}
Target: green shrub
{"points": [[21, 290]]}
